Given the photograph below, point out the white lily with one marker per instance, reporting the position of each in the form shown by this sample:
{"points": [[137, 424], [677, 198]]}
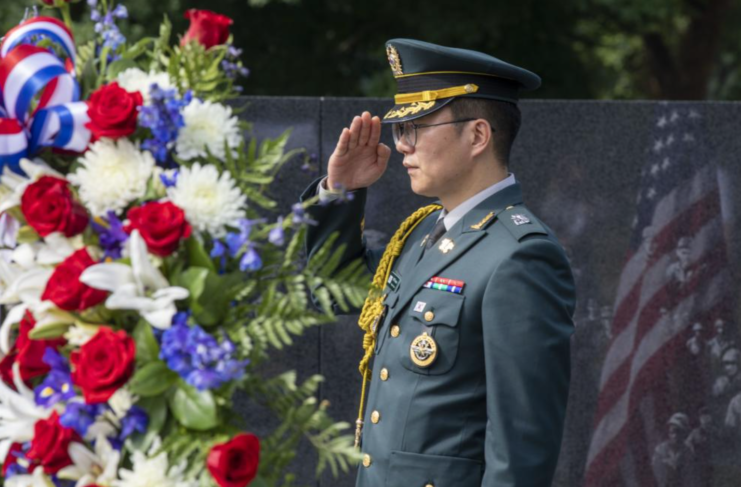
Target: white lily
{"points": [[9, 227], [18, 413], [36, 479], [17, 184], [98, 467], [139, 287]]}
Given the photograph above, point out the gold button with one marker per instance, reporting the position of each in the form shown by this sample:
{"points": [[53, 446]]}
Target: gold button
{"points": [[395, 331], [384, 373], [375, 417], [429, 485], [367, 460], [429, 316], [469, 89]]}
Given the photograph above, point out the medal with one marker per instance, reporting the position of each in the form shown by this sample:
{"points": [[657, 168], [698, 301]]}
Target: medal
{"points": [[423, 350]]}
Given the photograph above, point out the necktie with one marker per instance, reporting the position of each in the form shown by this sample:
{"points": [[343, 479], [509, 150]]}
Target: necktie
{"points": [[435, 234]]}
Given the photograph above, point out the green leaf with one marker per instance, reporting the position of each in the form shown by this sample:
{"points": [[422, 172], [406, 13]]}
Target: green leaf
{"points": [[210, 307], [147, 348], [194, 280], [117, 67], [197, 255], [156, 409], [46, 332], [152, 380], [26, 234], [194, 409]]}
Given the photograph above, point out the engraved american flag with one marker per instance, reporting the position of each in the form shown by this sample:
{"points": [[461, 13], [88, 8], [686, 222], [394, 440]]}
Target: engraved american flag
{"points": [[675, 275]]}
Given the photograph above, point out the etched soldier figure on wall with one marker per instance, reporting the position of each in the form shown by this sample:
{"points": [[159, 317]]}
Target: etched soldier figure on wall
{"points": [[729, 382], [720, 341], [695, 343], [679, 271], [673, 462]]}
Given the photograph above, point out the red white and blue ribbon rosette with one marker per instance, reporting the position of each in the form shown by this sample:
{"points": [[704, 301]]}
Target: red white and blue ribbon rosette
{"points": [[39, 95]]}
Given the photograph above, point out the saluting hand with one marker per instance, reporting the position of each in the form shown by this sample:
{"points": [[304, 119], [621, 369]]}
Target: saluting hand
{"points": [[359, 160]]}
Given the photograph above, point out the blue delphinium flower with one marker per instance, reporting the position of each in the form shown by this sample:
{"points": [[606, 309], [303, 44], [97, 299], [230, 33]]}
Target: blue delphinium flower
{"points": [[136, 420], [277, 235], [234, 243], [57, 385], [300, 216], [251, 260], [112, 237], [199, 358], [163, 117], [231, 65], [17, 468], [80, 416], [105, 26], [170, 181]]}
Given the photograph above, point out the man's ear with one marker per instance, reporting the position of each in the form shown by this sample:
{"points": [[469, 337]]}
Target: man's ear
{"points": [[481, 136]]}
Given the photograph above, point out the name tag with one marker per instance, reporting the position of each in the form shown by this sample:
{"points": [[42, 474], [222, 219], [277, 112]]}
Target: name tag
{"points": [[394, 281]]}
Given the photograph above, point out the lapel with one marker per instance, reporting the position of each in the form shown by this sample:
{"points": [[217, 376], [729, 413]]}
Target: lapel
{"points": [[463, 235]]}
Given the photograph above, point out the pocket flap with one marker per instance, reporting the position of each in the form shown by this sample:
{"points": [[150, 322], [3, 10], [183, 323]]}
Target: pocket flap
{"points": [[413, 469], [433, 307]]}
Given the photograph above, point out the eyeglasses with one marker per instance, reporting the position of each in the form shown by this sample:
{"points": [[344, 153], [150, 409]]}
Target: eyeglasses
{"points": [[407, 131]]}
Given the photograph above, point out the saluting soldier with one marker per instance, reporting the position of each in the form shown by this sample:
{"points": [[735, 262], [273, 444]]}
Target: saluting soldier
{"points": [[469, 320]]}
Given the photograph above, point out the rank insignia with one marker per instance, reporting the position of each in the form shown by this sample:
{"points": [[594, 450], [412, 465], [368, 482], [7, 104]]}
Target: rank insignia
{"points": [[446, 245], [520, 219], [394, 60], [423, 351]]}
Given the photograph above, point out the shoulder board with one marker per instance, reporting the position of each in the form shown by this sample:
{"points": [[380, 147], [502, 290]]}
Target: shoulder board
{"points": [[520, 222]]}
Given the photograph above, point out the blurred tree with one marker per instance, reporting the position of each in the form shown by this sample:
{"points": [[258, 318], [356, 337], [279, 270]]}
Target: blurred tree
{"points": [[606, 49]]}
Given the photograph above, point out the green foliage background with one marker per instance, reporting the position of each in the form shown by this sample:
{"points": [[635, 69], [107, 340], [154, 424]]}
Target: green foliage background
{"points": [[582, 48]]}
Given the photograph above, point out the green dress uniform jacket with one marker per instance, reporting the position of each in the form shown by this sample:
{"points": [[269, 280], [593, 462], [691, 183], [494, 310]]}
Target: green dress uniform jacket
{"points": [[490, 409]]}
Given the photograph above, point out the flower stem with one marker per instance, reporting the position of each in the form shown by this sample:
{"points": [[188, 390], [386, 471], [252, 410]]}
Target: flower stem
{"points": [[64, 8]]}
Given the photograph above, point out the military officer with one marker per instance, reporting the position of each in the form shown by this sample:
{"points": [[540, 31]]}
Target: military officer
{"points": [[469, 325]]}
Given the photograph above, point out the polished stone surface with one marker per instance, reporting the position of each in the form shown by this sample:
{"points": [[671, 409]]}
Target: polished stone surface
{"points": [[582, 165]]}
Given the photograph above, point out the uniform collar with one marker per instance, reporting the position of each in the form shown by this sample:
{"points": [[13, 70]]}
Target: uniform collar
{"points": [[451, 218]]}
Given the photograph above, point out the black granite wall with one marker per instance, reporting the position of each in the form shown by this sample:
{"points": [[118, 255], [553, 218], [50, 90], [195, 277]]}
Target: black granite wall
{"points": [[583, 166]]}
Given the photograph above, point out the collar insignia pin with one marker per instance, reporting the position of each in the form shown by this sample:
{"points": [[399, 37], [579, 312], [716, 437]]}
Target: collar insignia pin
{"points": [[446, 246], [520, 219]]}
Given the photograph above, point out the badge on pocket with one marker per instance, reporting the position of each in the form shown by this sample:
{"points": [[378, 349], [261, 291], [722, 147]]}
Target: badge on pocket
{"points": [[423, 350]]}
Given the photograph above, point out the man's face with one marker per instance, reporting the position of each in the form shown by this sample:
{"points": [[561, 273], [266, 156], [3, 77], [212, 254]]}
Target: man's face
{"points": [[438, 165], [730, 365]]}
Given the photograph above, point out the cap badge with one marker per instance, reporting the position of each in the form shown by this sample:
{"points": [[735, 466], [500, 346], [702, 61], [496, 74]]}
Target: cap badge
{"points": [[423, 350], [394, 60]]}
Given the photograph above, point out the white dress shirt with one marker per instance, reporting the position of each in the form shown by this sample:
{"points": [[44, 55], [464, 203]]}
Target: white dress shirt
{"points": [[450, 218]]}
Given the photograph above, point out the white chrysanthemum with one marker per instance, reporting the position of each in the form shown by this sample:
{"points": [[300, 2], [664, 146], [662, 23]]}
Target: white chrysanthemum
{"points": [[112, 175], [152, 471], [210, 201], [134, 79], [207, 125]]}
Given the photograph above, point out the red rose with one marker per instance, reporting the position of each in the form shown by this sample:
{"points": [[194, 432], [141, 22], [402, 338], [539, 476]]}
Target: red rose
{"points": [[161, 225], [113, 111], [28, 353], [50, 443], [234, 463], [65, 289], [207, 28], [49, 207], [104, 364]]}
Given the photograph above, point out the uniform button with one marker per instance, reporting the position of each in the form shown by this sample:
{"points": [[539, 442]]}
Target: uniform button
{"points": [[375, 417], [384, 373], [429, 316], [429, 485], [367, 460], [395, 330]]}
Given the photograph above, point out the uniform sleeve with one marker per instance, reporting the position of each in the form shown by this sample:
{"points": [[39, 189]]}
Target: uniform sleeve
{"points": [[527, 324], [346, 218]]}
